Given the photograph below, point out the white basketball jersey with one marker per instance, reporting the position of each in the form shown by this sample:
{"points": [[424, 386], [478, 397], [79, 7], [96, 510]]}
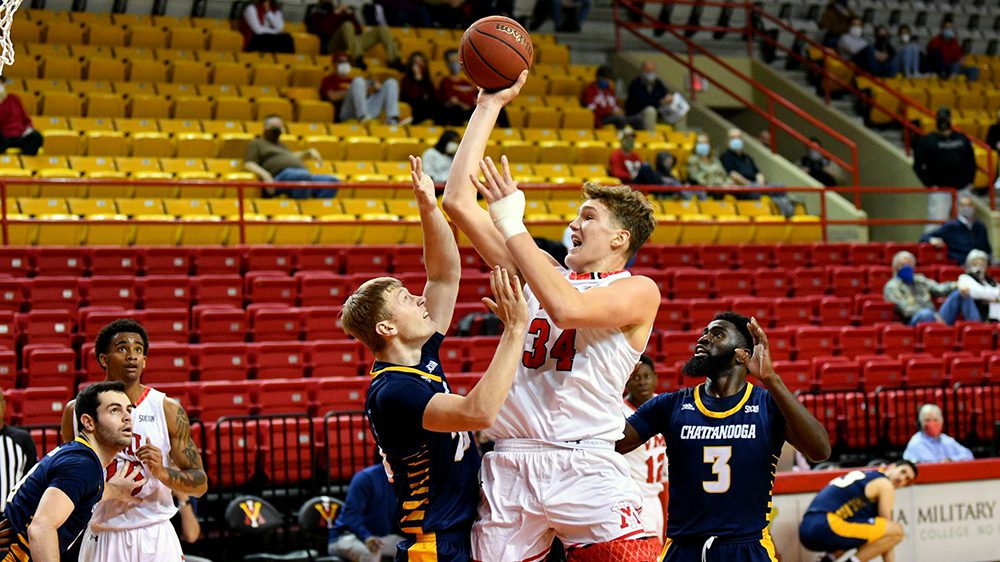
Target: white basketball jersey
{"points": [[148, 421], [569, 384], [648, 463]]}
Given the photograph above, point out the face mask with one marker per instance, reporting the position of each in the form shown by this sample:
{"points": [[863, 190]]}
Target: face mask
{"points": [[814, 155], [273, 134], [967, 213], [948, 34], [702, 149], [856, 31], [451, 148], [904, 38], [905, 273], [455, 67], [628, 144], [603, 84], [736, 145], [933, 428], [343, 68], [977, 271], [649, 76]]}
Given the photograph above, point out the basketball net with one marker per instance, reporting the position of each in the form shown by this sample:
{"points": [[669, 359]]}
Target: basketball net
{"points": [[7, 9]]}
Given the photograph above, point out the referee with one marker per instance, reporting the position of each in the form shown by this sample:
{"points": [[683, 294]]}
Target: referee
{"points": [[17, 455]]}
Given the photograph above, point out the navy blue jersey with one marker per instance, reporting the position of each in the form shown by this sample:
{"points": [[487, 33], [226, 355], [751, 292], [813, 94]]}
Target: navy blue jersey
{"points": [[722, 454], [435, 475], [75, 469], [845, 496]]}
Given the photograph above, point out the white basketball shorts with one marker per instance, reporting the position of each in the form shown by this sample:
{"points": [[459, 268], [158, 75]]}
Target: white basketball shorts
{"points": [[155, 543]]}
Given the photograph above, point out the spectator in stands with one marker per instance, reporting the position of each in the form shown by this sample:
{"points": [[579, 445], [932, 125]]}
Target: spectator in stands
{"points": [[599, 97], [992, 134], [17, 454], [945, 54], [186, 524], [912, 294], [943, 158], [458, 95], [909, 53], [365, 529], [852, 43], [835, 21], [931, 443], [404, 13], [626, 164], [16, 128], [263, 27], [740, 166], [674, 108], [438, 158], [880, 57], [418, 91], [982, 288], [360, 98], [339, 30], [665, 163], [817, 165], [961, 235], [272, 161], [704, 168], [646, 94]]}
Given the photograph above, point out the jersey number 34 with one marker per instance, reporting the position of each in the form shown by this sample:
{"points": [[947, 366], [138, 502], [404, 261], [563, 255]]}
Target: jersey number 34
{"points": [[563, 350]]}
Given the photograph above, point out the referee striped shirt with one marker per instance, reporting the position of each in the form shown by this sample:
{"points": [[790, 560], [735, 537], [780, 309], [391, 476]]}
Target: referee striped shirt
{"points": [[17, 456]]}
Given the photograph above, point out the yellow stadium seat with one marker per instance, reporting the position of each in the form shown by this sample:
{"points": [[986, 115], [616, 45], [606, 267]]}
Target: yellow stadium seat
{"points": [[260, 92], [214, 56], [307, 129], [111, 69], [222, 127], [545, 226], [207, 234], [135, 55], [177, 126], [354, 168], [585, 134], [363, 148], [274, 207], [770, 229], [565, 207], [232, 73], [63, 142], [397, 170], [321, 207], [132, 126], [196, 145], [186, 207], [64, 104], [137, 165], [136, 207], [384, 131], [402, 207], [665, 233], [804, 228], [384, 233], [233, 145], [152, 144], [24, 66], [62, 233], [149, 71], [22, 32], [39, 85], [543, 117], [349, 232], [189, 72], [104, 105], [593, 152], [698, 233], [552, 54], [62, 68], [64, 33], [565, 86], [192, 107], [538, 135], [90, 124], [427, 133], [232, 107], [680, 207], [113, 230], [553, 152], [205, 23], [273, 106], [754, 208], [150, 234], [734, 229], [21, 231], [717, 208], [308, 76], [130, 20], [192, 38], [10, 163], [106, 143], [362, 206], [294, 229], [306, 43], [314, 111], [92, 19], [222, 39], [401, 149], [94, 166], [38, 207], [227, 206], [271, 75], [302, 94], [78, 206]]}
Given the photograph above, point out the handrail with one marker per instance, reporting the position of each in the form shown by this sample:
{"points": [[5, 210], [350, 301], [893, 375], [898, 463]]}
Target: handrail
{"points": [[772, 97]]}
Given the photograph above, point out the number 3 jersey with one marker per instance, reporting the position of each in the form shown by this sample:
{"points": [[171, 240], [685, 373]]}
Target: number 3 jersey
{"points": [[435, 475], [570, 382], [722, 453]]}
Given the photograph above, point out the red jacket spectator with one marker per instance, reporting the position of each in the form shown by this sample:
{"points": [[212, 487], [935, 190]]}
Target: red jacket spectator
{"points": [[625, 165], [601, 101], [950, 50], [458, 87], [14, 121]]}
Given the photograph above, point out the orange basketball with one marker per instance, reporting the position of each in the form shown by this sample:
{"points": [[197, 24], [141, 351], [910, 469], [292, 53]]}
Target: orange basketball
{"points": [[494, 51]]}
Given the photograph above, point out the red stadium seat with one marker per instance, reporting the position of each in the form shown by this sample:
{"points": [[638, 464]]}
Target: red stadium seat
{"points": [[897, 412], [836, 311], [271, 289], [839, 375], [49, 366], [671, 315], [781, 343], [471, 259], [269, 323], [678, 345], [16, 261], [272, 258], [217, 261], [92, 319], [679, 256], [858, 340], [825, 254], [481, 350], [8, 330], [898, 338], [218, 289], [978, 408], [408, 259], [12, 294], [319, 258], [966, 370], [113, 260], [692, 284], [787, 256], [753, 256], [847, 281], [867, 254], [814, 341], [284, 396], [733, 283], [929, 254], [46, 439], [8, 369], [874, 312], [797, 375], [808, 281], [215, 323], [220, 361], [90, 369], [341, 394], [288, 453], [278, 360], [771, 282], [320, 288], [335, 358], [109, 290], [373, 260], [165, 324], [44, 405], [876, 276], [167, 363], [47, 326], [348, 442], [883, 372], [164, 291], [225, 398], [166, 260], [936, 338], [977, 338], [760, 308], [473, 286], [702, 311], [464, 382], [322, 322], [54, 292], [233, 449], [452, 355], [845, 416], [59, 260], [718, 256], [924, 371]]}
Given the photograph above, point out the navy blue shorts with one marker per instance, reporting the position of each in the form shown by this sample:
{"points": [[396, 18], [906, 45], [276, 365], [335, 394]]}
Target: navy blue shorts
{"points": [[825, 532], [436, 547], [757, 550]]}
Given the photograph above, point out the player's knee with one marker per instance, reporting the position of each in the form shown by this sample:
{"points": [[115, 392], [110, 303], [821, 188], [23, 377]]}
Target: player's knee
{"points": [[894, 531]]}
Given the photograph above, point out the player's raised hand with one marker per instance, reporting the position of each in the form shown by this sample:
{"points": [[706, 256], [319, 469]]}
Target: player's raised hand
{"points": [[502, 97], [498, 184], [759, 364], [510, 305], [423, 185], [152, 458]]}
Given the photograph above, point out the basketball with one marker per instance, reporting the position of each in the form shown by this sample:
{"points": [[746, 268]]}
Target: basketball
{"points": [[494, 51]]}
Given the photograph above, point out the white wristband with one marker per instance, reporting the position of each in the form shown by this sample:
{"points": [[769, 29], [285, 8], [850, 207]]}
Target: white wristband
{"points": [[508, 215]]}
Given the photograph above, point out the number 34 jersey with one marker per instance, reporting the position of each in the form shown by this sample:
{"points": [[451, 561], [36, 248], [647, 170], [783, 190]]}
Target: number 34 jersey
{"points": [[570, 382], [722, 452]]}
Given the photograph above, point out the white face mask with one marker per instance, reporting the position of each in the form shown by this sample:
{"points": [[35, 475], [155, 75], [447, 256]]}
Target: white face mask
{"points": [[343, 68], [649, 76], [856, 31], [451, 148], [904, 38]]}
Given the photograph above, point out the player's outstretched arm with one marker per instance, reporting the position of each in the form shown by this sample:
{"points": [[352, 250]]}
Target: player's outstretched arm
{"points": [[630, 442], [459, 192], [803, 431], [189, 477], [478, 410], [53, 510], [441, 259], [629, 302]]}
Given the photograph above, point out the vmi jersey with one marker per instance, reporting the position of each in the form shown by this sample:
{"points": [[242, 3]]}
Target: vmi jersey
{"points": [[73, 468], [722, 455], [845, 497], [435, 475]]}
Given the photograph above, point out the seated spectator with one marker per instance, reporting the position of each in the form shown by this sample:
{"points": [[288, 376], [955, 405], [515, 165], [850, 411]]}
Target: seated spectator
{"points": [[360, 98], [835, 21], [982, 288], [931, 444], [16, 128], [943, 158], [817, 165], [263, 27], [961, 235], [272, 161], [365, 529], [880, 57], [945, 55], [438, 158], [404, 13], [852, 43], [417, 90], [912, 294], [646, 94], [626, 164], [909, 53], [599, 97], [339, 30], [458, 95], [739, 165], [704, 168], [665, 163], [674, 108]]}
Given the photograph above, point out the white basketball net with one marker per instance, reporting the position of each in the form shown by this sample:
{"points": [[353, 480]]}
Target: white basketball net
{"points": [[7, 9]]}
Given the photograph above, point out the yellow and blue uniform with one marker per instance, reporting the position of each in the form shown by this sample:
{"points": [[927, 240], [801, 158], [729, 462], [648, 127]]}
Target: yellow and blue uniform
{"points": [[841, 516], [73, 468], [723, 454], [435, 475]]}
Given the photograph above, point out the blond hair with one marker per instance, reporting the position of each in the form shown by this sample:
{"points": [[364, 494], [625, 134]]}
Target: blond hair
{"points": [[631, 209], [365, 308]]}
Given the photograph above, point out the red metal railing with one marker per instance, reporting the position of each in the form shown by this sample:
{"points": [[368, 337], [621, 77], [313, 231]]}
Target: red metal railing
{"points": [[773, 99], [241, 187]]}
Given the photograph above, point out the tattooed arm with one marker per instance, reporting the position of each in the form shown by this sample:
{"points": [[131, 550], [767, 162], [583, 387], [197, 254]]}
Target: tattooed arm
{"points": [[189, 478]]}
